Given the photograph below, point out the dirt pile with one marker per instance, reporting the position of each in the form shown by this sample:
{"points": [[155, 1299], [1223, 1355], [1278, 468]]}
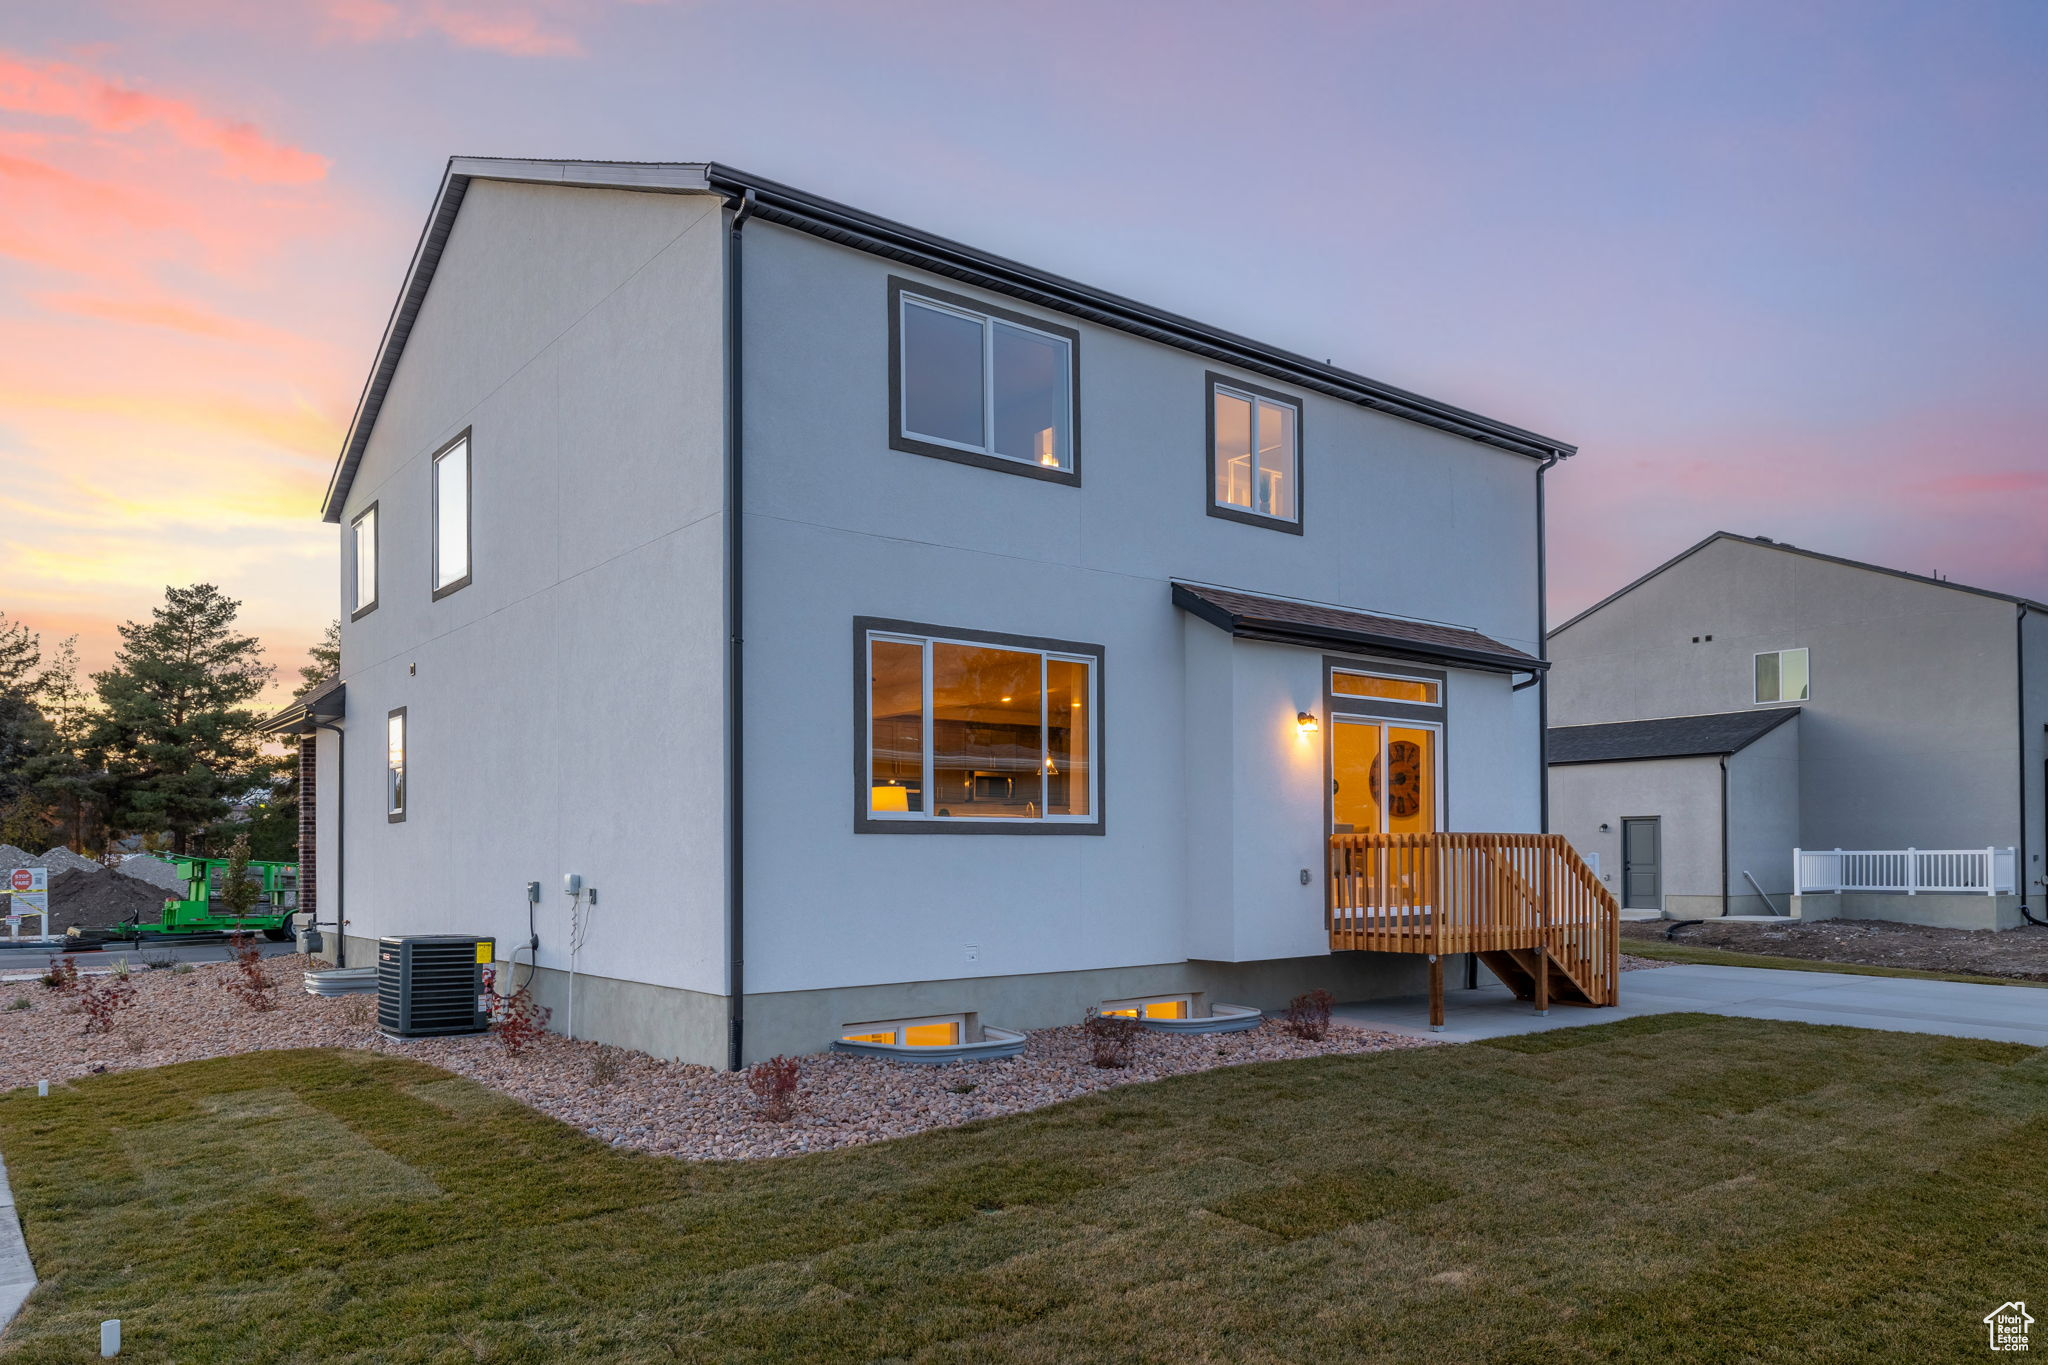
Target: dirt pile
{"points": [[2017, 953], [155, 871], [100, 900]]}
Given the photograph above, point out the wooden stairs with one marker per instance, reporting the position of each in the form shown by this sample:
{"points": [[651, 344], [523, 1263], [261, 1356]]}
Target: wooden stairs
{"points": [[1526, 905]]}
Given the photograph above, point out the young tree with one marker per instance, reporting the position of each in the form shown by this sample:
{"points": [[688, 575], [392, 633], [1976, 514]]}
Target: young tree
{"points": [[177, 738]]}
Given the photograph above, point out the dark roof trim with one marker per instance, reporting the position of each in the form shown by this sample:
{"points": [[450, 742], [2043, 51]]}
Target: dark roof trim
{"points": [[1768, 544], [1628, 741], [1277, 620], [867, 232], [327, 702], [782, 204]]}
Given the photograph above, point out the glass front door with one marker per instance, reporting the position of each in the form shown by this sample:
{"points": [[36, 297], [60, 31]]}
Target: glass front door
{"points": [[1383, 777]]}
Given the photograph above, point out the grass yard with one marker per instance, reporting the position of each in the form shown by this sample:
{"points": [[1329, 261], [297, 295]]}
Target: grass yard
{"points": [[1671, 1188], [1666, 951]]}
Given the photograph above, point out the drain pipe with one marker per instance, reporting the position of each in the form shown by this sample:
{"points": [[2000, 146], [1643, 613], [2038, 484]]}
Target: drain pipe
{"points": [[340, 828], [2019, 861], [1543, 653], [735, 661], [1724, 836]]}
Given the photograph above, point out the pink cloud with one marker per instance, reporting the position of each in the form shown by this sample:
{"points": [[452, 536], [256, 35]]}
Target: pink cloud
{"points": [[512, 30], [61, 90]]}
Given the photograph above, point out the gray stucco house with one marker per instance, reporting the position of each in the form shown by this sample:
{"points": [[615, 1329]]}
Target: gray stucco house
{"points": [[1749, 698], [900, 642]]}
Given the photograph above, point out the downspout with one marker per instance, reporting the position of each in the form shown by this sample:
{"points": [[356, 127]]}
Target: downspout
{"points": [[1543, 653], [735, 663], [340, 830], [1724, 836], [2019, 863]]}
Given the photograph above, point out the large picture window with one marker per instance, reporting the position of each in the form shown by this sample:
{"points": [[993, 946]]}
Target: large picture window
{"points": [[451, 517], [1781, 676], [363, 549], [981, 385], [974, 731], [1254, 455]]}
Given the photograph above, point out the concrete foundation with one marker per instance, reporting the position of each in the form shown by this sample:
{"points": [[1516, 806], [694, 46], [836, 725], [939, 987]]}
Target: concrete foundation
{"points": [[691, 1026], [1940, 912]]}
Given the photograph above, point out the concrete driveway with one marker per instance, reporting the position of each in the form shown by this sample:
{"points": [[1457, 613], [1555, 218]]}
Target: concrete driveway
{"points": [[2007, 1014]]}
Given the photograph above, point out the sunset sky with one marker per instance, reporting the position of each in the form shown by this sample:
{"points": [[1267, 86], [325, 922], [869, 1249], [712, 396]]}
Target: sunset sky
{"points": [[1777, 268]]}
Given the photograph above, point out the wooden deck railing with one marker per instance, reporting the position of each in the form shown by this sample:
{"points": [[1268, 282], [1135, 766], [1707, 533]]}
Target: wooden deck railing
{"points": [[1515, 899]]}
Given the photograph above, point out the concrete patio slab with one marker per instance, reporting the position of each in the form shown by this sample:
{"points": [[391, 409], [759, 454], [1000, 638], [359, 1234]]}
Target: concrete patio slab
{"points": [[2009, 1014]]}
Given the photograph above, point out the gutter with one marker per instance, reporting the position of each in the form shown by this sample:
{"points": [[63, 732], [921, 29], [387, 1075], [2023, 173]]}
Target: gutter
{"points": [[1724, 839], [2019, 866], [735, 659], [1542, 679]]}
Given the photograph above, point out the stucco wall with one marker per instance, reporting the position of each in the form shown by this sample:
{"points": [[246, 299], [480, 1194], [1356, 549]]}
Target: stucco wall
{"points": [[1684, 793], [1907, 739], [1763, 820], [565, 709], [2033, 760], [839, 526]]}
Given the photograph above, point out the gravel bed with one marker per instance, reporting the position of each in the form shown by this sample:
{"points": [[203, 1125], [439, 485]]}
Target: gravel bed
{"points": [[2018, 953], [155, 870], [670, 1108], [12, 857], [1631, 963], [61, 859]]}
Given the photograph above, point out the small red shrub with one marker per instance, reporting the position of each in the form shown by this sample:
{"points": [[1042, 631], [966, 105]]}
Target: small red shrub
{"points": [[1308, 1015], [517, 1020], [1112, 1038], [774, 1083], [103, 1000], [61, 974], [252, 983]]}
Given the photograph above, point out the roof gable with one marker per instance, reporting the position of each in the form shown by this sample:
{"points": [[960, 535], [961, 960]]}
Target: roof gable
{"points": [[1707, 736], [847, 226]]}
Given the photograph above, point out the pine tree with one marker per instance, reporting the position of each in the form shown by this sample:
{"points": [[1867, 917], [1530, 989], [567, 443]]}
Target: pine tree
{"points": [[323, 660], [61, 782], [177, 740], [24, 734]]}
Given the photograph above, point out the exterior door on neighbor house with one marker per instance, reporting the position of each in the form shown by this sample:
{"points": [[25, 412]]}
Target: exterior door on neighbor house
{"points": [[1642, 871]]}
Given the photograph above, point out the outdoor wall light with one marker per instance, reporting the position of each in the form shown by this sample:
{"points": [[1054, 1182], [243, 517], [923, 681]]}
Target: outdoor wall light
{"points": [[1605, 828], [1307, 722]]}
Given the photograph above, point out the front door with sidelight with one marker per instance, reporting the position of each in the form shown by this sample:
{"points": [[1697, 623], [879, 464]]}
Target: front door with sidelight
{"points": [[1383, 777], [1642, 858]]}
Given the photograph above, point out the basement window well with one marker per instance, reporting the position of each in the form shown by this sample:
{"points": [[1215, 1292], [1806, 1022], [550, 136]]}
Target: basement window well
{"points": [[931, 1040], [1156, 1007]]}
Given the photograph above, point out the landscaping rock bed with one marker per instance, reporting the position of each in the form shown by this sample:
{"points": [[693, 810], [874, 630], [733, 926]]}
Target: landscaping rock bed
{"points": [[2018, 953], [625, 1098]]}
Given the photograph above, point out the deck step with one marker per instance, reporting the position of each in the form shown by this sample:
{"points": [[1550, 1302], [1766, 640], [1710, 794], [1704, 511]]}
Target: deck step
{"points": [[1517, 968]]}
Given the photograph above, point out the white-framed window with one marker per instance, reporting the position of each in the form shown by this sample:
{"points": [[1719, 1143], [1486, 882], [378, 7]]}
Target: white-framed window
{"points": [[363, 549], [939, 1030], [1781, 676], [1150, 1007], [394, 765], [1254, 454], [451, 516], [981, 385], [966, 730], [1354, 682]]}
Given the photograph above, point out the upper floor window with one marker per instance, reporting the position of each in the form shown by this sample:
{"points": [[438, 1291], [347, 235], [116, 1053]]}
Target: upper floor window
{"points": [[1345, 682], [451, 516], [980, 385], [363, 547], [394, 765], [1254, 455], [1781, 676], [966, 731]]}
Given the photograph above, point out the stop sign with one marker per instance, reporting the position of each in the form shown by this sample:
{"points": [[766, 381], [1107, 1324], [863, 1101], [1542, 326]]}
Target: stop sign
{"points": [[22, 881]]}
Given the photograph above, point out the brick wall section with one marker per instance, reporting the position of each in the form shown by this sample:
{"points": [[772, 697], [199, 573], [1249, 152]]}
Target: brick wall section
{"points": [[309, 811]]}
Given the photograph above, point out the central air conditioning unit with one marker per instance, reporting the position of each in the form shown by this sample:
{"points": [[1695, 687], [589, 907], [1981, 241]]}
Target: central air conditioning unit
{"points": [[431, 985]]}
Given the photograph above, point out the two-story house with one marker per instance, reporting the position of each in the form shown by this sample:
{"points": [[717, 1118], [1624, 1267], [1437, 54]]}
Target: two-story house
{"points": [[1755, 728], [900, 642]]}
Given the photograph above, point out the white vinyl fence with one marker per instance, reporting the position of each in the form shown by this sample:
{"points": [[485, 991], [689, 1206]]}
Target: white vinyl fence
{"points": [[1911, 871]]}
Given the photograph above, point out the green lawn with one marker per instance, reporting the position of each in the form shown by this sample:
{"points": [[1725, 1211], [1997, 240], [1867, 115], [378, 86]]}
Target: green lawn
{"points": [[1673, 1188], [1665, 950]]}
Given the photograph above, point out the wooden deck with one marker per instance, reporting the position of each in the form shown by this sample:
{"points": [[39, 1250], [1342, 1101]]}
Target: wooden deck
{"points": [[1526, 904]]}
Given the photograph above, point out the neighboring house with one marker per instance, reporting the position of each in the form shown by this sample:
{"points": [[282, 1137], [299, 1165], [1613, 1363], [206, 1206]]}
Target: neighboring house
{"points": [[1749, 698], [895, 638]]}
